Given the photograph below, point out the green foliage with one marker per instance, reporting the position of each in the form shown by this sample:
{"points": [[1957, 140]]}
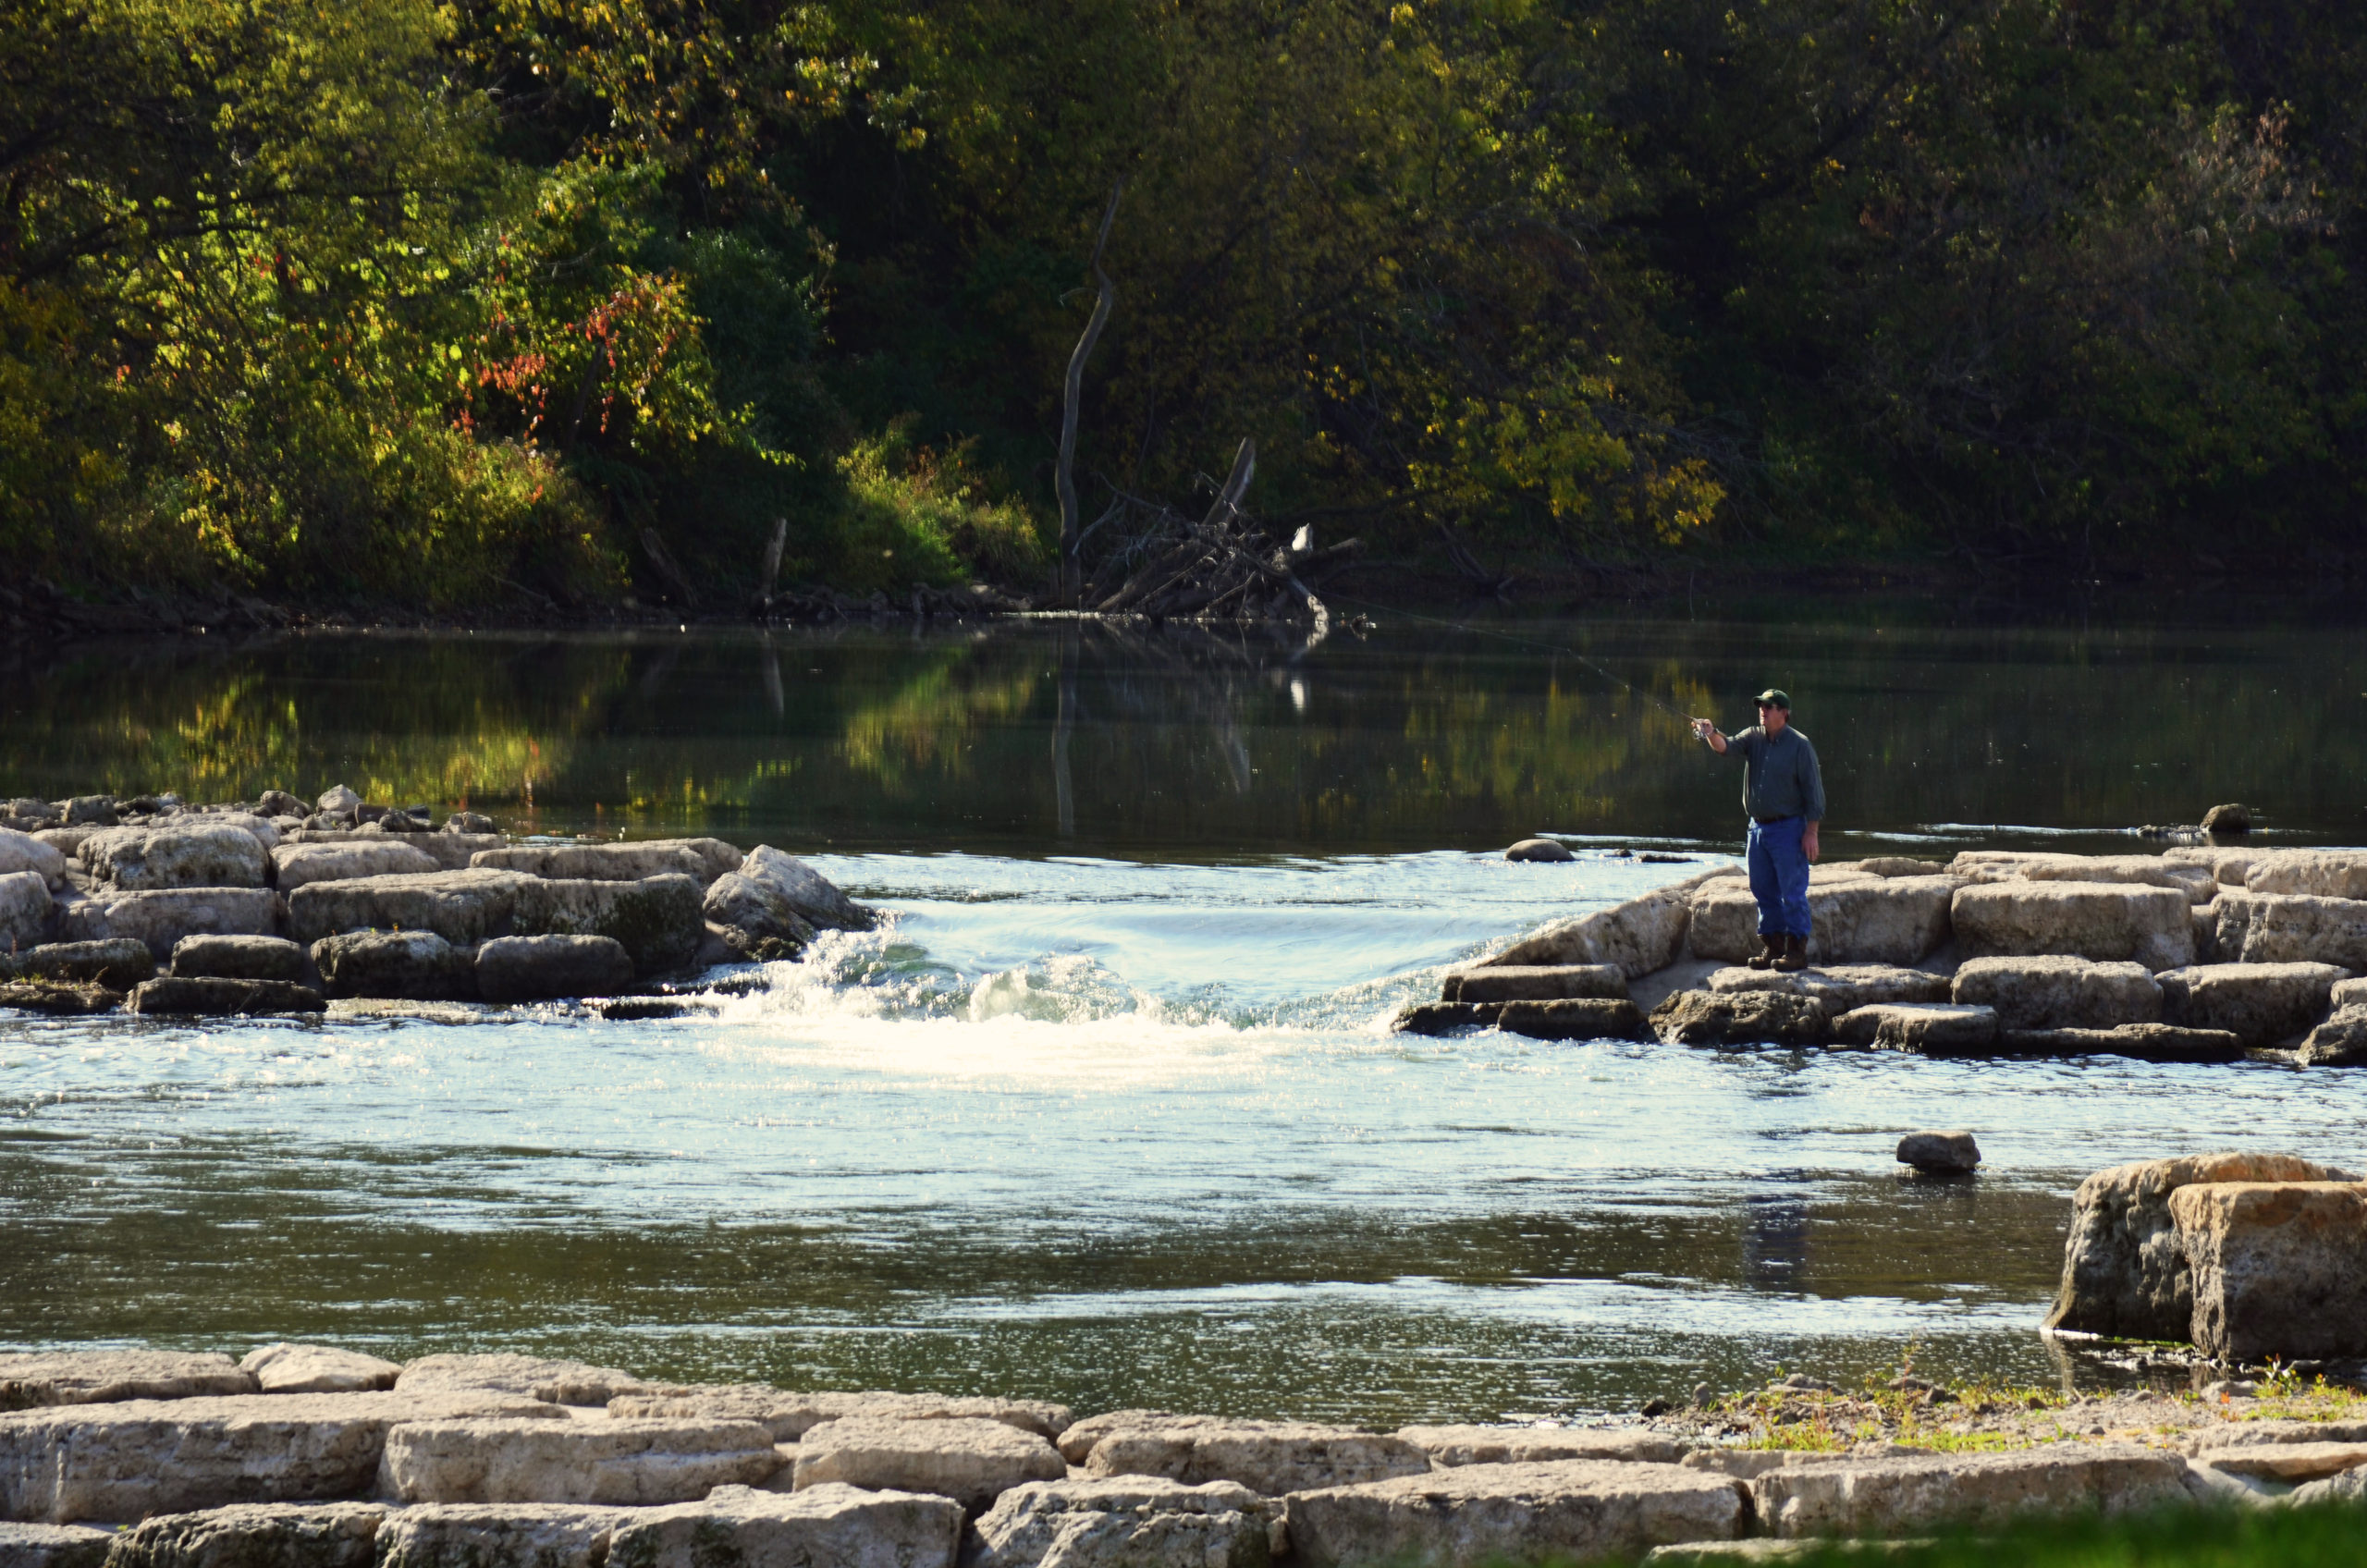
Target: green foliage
{"points": [[2177, 1537]]}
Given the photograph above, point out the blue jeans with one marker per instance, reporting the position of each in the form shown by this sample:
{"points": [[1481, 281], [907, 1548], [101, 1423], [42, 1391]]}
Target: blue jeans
{"points": [[1779, 877]]}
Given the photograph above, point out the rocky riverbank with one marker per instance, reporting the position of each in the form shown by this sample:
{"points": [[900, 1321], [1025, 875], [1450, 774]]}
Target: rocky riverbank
{"points": [[274, 906]]}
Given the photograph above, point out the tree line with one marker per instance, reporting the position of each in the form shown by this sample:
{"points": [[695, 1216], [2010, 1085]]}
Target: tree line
{"points": [[447, 301]]}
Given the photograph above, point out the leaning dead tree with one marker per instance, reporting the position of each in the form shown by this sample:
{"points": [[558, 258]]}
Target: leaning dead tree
{"points": [[1071, 392]]}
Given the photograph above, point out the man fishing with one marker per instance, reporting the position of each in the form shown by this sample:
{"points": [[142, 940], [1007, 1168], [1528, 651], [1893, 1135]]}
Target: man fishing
{"points": [[1783, 791]]}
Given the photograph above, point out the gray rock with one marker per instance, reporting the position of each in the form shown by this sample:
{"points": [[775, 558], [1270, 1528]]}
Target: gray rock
{"points": [[255, 1534], [2326, 874], [1548, 851], [1076, 1442], [1578, 1019], [1736, 1018], [558, 1382], [469, 822], [2340, 1041], [169, 997], [521, 969], [2292, 928], [1444, 1018], [1128, 1521], [1946, 1154], [757, 919], [623, 1463], [1640, 935], [299, 864], [2196, 882], [1931, 1029], [95, 1376], [263, 832], [2123, 1273], [1269, 1457], [701, 860], [501, 1534], [95, 811], [412, 965], [237, 958], [2139, 1042], [2259, 1003], [2051, 992], [789, 1416], [186, 854], [2346, 1489], [57, 1000], [1854, 919], [825, 1526], [1840, 987], [1535, 983], [812, 895], [1887, 1496], [1533, 1445], [338, 801], [284, 1368], [118, 964], [52, 1546], [25, 905], [280, 803], [2279, 1268], [656, 919], [161, 919], [2103, 920], [462, 907], [1475, 1514], [972, 1462], [22, 852]]}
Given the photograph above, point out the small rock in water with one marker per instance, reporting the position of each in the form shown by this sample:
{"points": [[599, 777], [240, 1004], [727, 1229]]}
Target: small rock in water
{"points": [[1943, 1154], [1657, 857], [2228, 818], [468, 822], [1539, 850], [280, 803]]}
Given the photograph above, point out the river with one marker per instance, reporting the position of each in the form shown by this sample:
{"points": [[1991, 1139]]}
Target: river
{"points": [[1109, 1113]]}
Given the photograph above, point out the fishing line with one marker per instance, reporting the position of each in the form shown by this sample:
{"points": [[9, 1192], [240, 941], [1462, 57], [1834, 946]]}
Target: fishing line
{"points": [[1524, 641]]}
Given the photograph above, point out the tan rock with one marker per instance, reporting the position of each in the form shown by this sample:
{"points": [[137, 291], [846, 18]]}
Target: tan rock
{"points": [[2059, 993], [790, 1416], [1535, 983], [1269, 1457], [1474, 1514], [1900, 865], [2279, 1269], [501, 1534], [1640, 935], [161, 919], [2103, 920], [2292, 928], [1855, 920], [2261, 1004], [1738, 1018], [52, 1546], [557, 1382], [299, 865], [118, 964], [813, 896], [22, 852], [171, 996], [656, 918], [284, 1368], [2195, 881], [701, 860], [1126, 1522], [824, 1527], [1841, 987], [2123, 1273], [2226, 866], [624, 1463], [2290, 1462], [255, 1534], [462, 907], [2326, 874], [969, 1460], [185, 854], [1532, 1445], [139, 1457], [1076, 1442], [2340, 1041], [237, 958], [1931, 1029], [25, 907], [2346, 1490], [1886, 1496], [96, 1377]]}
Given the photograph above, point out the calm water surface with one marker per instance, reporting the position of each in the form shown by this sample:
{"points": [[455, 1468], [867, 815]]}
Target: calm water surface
{"points": [[1109, 1113]]}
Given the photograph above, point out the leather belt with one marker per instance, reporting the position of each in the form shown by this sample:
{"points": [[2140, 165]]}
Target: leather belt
{"points": [[1771, 821]]}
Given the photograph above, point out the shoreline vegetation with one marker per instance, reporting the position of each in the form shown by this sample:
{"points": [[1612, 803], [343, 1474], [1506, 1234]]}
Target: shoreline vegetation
{"points": [[562, 312]]}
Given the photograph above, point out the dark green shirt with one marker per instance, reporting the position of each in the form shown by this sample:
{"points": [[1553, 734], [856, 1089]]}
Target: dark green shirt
{"points": [[1780, 777]]}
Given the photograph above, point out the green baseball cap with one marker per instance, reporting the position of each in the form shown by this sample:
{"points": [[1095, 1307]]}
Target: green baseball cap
{"points": [[1771, 698]]}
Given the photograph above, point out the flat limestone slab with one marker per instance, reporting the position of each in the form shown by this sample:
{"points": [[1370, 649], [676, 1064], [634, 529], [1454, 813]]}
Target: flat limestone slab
{"points": [[2139, 1042], [1640, 935], [52, 1546], [284, 1368], [255, 1534], [1535, 983], [94, 1376], [2259, 1003], [2292, 1463], [2279, 1269], [2326, 874], [824, 1527], [2053, 992], [1126, 1522], [1473, 1514], [1575, 1019], [2292, 928], [972, 1462], [1530, 1445], [530, 1377], [790, 1416], [162, 918], [297, 865], [532, 1534], [625, 1463], [1841, 987], [1740, 1017], [1893, 920], [131, 1460], [1269, 1457], [1885, 1496], [1932, 1029], [703, 858], [2102, 921], [462, 907]]}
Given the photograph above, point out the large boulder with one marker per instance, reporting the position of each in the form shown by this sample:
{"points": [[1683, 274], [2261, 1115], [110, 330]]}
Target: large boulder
{"points": [[162, 919], [972, 1462], [2104, 921], [284, 1368], [1533, 1445], [296, 865], [1841, 987], [625, 1463], [255, 1534], [790, 1416], [757, 920], [1126, 1522], [188, 854], [2059, 993], [2261, 1004], [2279, 1267], [1856, 919], [2292, 928], [1578, 1019], [827, 1527], [812, 895], [527, 1376], [118, 964], [1475, 1514], [262, 829], [1892, 1495], [1740, 1017], [524, 969], [1640, 935], [22, 852], [462, 907], [701, 860], [1928, 1029], [2326, 874], [108, 1377], [412, 965], [129, 1460], [25, 906], [656, 919], [239, 958], [1535, 983], [2124, 1272], [501, 1535], [169, 996], [1269, 1457]]}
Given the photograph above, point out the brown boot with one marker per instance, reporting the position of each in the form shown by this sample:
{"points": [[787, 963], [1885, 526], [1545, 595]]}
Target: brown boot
{"points": [[1770, 950], [1796, 955]]}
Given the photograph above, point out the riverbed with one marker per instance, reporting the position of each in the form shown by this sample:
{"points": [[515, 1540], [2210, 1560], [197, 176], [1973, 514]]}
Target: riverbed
{"points": [[1109, 1112]]}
